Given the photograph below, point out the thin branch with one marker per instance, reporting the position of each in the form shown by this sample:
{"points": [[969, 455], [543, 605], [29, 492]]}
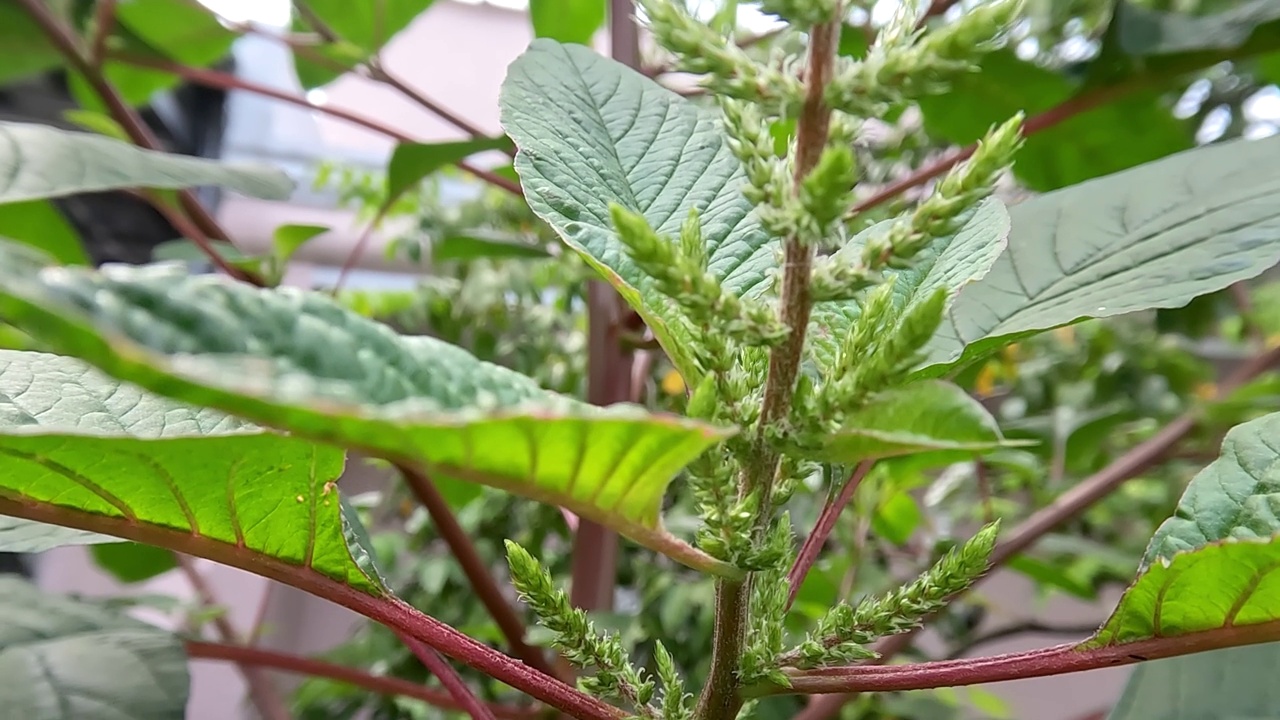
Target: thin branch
{"points": [[264, 694], [374, 604], [822, 529], [379, 73], [225, 81], [357, 251], [458, 690], [315, 22], [104, 23], [138, 132], [478, 574], [382, 685], [1057, 660], [188, 229]]}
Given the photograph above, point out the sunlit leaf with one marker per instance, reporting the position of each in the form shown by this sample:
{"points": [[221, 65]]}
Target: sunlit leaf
{"points": [[295, 360]]}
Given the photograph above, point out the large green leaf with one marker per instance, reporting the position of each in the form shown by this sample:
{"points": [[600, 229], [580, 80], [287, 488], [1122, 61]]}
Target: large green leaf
{"points": [[937, 419], [38, 162], [362, 28], [1112, 137], [591, 132], [1155, 236], [1211, 567], [67, 659], [26, 536], [24, 51], [295, 360], [74, 440], [567, 21]]}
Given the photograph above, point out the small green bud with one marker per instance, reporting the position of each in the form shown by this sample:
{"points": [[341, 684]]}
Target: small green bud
{"points": [[826, 192], [702, 403]]}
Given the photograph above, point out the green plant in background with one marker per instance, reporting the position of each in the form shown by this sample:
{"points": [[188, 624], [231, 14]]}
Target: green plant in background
{"points": [[809, 317]]}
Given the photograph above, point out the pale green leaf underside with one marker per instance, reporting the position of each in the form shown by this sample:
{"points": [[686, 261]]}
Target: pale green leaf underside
{"points": [[37, 162], [27, 536], [931, 417], [65, 659], [1233, 684], [1156, 236], [77, 440], [591, 132], [951, 262], [295, 360]]}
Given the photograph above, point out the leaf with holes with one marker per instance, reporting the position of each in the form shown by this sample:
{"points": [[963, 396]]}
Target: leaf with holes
{"points": [[937, 420], [76, 445], [297, 361], [1211, 572], [68, 659], [38, 162], [591, 132], [951, 262], [1156, 236]]}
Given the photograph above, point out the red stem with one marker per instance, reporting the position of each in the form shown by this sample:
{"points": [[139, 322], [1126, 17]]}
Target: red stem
{"points": [[1056, 660], [458, 690], [822, 529], [258, 657], [63, 39], [386, 609], [478, 574]]}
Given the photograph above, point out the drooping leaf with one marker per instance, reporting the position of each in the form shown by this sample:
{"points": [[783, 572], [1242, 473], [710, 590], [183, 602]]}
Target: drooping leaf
{"points": [[131, 562], [411, 162], [934, 418], [74, 442], [68, 659], [362, 29], [1155, 236], [39, 224], [591, 132], [951, 262], [567, 21], [37, 162], [1111, 137], [1210, 568], [27, 536], [297, 361], [475, 246]]}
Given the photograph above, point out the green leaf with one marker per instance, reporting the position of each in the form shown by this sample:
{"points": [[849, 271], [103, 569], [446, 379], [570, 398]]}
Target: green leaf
{"points": [[75, 443], [131, 562], [411, 162], [951, 262], [1233, 684], [67, 659], [287, 239], [363, 28], [593, 132], [39, 224], [1155, 236], [931, 417], [567, 21], [1211, 566], [1111, 137], [174, 30], [38, 162], [295, 360], [26, 536], [24, 51], [475, 246]]}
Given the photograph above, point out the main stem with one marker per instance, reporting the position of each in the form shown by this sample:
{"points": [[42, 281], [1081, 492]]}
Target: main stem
{"points": [[721, 699]]}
